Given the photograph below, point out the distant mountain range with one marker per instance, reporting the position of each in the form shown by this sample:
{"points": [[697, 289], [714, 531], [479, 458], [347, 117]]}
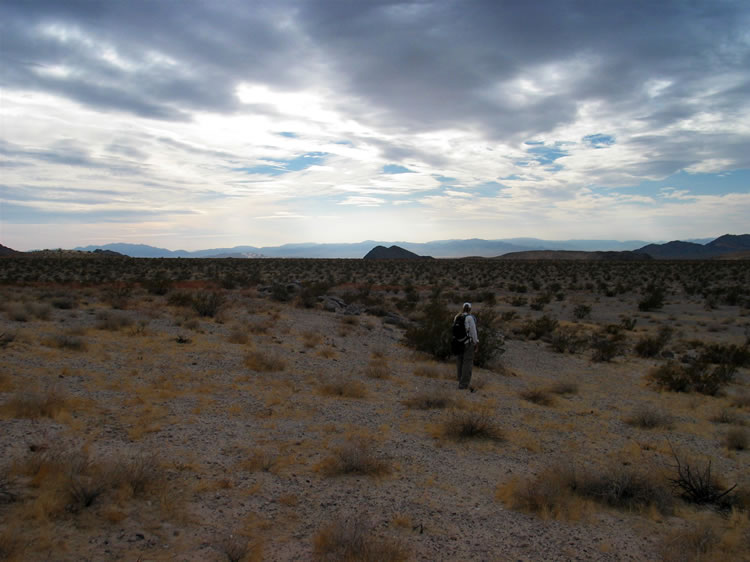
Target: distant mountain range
{"points": [[727, 246], [438, 248]]}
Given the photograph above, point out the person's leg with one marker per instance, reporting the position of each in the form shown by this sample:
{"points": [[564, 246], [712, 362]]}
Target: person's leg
{"points": [[459, 365], [468, 361]]}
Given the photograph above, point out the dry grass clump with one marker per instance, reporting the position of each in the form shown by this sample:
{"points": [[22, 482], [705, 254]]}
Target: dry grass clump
{"points": [[537, 396], [72, 342], [647, 417], [112, 321], [729, 417], [471, 424], [260, 460], [238, 548], [741, 401], [429, 400], [555, 491], [356, 457], [342, 387], [563, 387], [737, 439], [709, 537], [35, 403], [429, 370], [238, 335], [264, 362], [311, 339], [347, 539], [378, 369]]}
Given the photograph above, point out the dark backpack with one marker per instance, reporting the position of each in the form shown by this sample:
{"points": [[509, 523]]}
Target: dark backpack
{"points": [[458, 335]]}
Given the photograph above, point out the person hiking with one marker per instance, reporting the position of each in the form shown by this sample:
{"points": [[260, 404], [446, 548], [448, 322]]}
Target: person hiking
{"points": [[466, 346]]}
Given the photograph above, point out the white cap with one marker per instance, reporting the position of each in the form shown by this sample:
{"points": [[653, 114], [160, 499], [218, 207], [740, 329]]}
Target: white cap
{"points": [[467, 305]]}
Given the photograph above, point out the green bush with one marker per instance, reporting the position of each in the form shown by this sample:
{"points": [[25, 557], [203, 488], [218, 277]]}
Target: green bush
{"points": [[491, 339], [653, 298], [431, 333], [698, 377], [207, 304]]}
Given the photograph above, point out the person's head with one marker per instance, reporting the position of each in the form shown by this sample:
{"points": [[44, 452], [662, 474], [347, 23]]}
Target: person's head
{"points": [[467, 307]]}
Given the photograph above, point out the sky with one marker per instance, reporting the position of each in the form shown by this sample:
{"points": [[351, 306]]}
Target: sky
{"points": [[193, 124]]}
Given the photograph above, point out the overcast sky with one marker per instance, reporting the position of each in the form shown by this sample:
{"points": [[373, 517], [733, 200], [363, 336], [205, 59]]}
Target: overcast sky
{"points": [[201, 124]]}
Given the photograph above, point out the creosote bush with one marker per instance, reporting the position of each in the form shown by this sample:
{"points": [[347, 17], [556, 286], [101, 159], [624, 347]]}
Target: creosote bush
{"points": [[698, 377], [737, 439], [206, 303]]}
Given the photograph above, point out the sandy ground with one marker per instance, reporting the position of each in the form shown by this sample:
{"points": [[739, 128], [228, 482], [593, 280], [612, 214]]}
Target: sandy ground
{"points": [[241, 453]]}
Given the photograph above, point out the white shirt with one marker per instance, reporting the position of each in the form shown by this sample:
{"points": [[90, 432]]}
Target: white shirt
{"points": [[471, 328]]}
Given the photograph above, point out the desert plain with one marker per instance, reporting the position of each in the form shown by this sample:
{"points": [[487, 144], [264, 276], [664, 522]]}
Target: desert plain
{"points": [[268, 409]]}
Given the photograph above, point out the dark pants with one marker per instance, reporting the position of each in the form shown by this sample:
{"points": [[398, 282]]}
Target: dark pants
{"points": [[464, 362]]}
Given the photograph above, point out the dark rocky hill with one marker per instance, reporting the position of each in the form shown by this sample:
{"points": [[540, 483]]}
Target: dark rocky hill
{"points": [[5, 251], [731, 243], [392, 253], [679, 250]]}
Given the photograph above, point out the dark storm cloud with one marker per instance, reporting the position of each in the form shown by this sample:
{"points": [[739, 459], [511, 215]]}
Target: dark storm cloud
{"points": [[413, 66]]}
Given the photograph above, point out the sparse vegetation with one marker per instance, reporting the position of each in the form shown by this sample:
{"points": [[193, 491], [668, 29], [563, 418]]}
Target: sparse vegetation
{"points": [[266, 397]]}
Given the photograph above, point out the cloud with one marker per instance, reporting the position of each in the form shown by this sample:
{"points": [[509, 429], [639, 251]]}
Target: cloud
{"points": [[283, 106]]}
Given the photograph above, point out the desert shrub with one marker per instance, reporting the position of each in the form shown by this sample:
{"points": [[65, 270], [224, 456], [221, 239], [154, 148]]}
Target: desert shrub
{"points": [[431, 332], [567, 339], [491, 337], [582, 311], [64, 302], [537, 396], [539, 328], [606, 345], [354, 538], [207, 304], [462, 425], [17, 312], [647, 417], [118, 295], [698, 377], [651, 346], [180, 298], [653, 298], [728, 354], [699, 485], [158, 285], [356, 457], [741, 401], [737, 439], [628, 323], [429, 400], [264, 362]]}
